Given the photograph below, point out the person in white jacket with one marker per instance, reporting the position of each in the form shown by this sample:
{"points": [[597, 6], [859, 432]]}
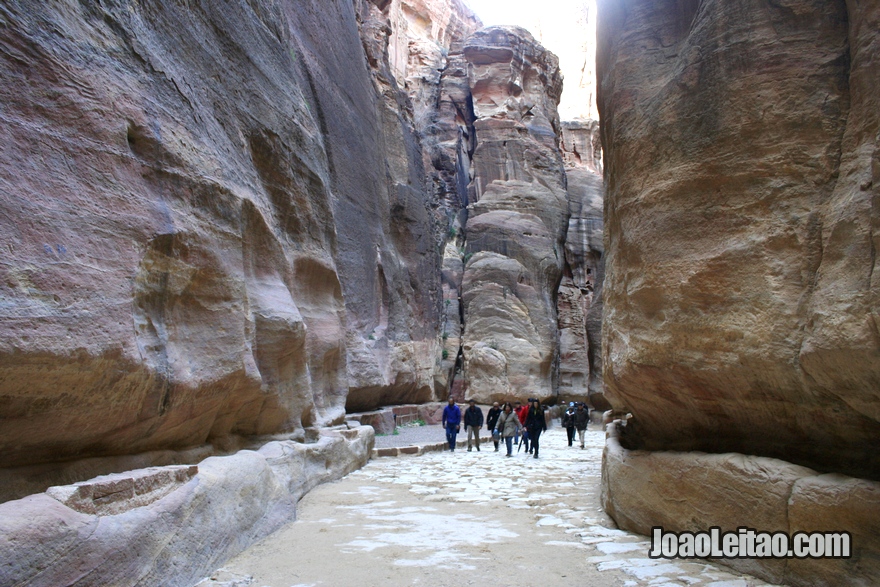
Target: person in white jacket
{"points": [[508, 426]]}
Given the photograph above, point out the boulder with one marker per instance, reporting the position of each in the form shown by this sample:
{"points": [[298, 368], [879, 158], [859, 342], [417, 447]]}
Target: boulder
{"points": [[692, 491]]}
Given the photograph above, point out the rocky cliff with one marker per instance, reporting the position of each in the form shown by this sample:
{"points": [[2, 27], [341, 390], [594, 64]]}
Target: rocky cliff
{"points": [[579, 300], [741, 144], [517, 216], [740, 307], [214, 224], [229, 223]]}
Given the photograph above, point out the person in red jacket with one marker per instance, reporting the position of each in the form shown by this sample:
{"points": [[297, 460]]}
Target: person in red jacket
{"points": [[521, 412]]}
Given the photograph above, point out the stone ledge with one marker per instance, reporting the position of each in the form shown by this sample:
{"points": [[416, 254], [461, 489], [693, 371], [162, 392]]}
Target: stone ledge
{"points": [[114, 494], [420, 449], [189, 522], [691, 491]]}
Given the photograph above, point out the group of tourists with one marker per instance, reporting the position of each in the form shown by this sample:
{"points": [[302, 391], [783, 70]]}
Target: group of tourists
{"points": [[576, 417], [514, 424]]}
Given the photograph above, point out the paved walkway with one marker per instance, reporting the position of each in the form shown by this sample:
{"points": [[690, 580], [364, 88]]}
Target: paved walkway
{"points": [[466, 518], [422, 439]]}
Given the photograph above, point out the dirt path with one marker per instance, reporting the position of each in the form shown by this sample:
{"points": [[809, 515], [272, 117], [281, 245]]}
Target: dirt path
{"points": [[465, 518]]}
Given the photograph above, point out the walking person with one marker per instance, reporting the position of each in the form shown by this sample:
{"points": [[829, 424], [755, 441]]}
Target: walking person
{"points": [[581, 419], [521, 411], [491, 420], [451, 422], [473, 421], [535, 424], [508, 426], [568, 422]]}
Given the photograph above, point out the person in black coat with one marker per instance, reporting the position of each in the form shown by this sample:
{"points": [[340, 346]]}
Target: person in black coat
{"points": [[568, 422], [491, 420], [535, 423], [473, 421], [581, 419]]}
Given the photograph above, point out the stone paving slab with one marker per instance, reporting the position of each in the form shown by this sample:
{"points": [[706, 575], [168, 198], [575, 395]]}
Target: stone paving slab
{"points": [[417, 440]]}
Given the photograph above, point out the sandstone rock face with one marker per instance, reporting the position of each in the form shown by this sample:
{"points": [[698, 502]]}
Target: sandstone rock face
{"points": [[167, 526], [214, 223], [742, 160], [692, 491], [230, 221], [517, 218], [422, 34], [409, 44], [579, 302]]}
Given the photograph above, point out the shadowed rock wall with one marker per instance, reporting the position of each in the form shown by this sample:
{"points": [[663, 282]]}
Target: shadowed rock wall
{"points": [[213, 224], [741, 143], [579, 301]]}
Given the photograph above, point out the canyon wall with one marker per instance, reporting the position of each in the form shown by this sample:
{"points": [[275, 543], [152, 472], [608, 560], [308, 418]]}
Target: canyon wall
{"points": [[216, 230], [517, 218], [740, 310], [214, 224], [741, 145], [227, 224], [579, 301]]}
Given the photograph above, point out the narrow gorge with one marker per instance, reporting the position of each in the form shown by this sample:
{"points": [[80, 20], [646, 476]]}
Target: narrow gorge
{"points": [[232, 228]]}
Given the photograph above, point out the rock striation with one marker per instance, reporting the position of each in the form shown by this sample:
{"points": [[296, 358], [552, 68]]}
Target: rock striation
{"points": [[214, 225], [579, 299], [230, 224]]}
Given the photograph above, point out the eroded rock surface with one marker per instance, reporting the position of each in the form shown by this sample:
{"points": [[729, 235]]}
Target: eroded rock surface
{"points": [[215, 223], [741, 151], [742, 162], [579, 301], [168, 526], [693, 491], [517, 217]]}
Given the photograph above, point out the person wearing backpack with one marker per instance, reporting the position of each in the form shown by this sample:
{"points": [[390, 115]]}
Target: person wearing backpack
{"points": [[568, 422]]}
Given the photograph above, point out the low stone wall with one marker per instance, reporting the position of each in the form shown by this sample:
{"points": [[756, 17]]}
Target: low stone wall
{"points": [[168, 526], [693, 491], [422, 448], [385, 420]]}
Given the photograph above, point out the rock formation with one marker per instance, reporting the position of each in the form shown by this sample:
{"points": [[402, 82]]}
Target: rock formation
{"points": [[211, 229], [741, 150], [579, 302], [216, 227], [229, 224], [517, 218], [739, 306], [168, 526]]}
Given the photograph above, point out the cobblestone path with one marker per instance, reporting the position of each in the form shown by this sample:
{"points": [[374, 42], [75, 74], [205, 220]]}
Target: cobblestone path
{"points": [[466, 518]]}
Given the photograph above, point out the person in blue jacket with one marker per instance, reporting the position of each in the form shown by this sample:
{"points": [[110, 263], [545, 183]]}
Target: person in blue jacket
{"points": [[451, 422]]}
